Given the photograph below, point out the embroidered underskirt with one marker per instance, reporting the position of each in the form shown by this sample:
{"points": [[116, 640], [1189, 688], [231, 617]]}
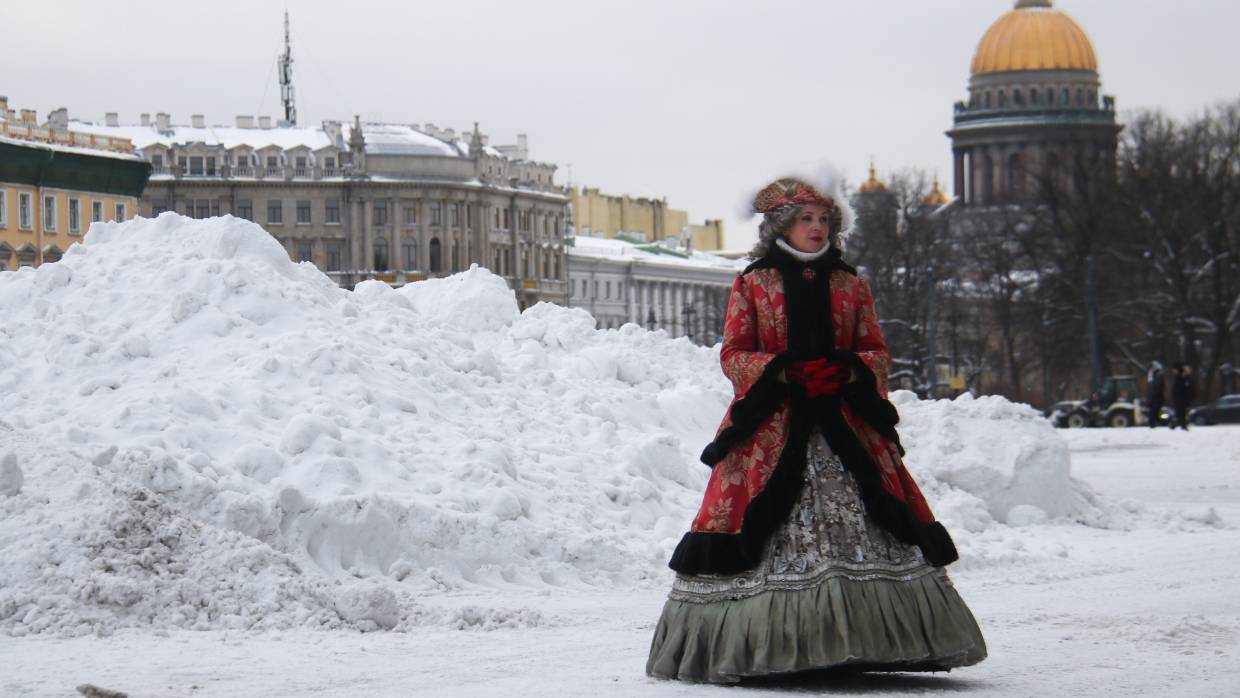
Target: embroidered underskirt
{"points": [[832, 588]]}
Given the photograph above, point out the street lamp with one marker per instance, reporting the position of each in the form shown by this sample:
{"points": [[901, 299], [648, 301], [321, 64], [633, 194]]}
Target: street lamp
{"points": [[689, 312]]}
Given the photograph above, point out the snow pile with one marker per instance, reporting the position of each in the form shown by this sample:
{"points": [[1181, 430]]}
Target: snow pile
{"points": [[243, 444], [1005, 454]]}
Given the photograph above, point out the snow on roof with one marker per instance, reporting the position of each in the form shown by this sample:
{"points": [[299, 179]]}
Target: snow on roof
{"points": [[381, 138], [399, 139], [609, 248], [284, 137], [61, 148]]}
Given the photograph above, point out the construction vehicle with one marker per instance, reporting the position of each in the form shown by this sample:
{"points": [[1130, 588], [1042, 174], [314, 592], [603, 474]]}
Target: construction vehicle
{"points": [[1115, 405]]}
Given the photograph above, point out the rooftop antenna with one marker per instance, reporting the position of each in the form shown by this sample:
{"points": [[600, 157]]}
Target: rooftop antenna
{"points": [[286, 78]]}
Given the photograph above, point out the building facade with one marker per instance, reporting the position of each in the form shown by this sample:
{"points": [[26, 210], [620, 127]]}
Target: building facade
{"points": [[394, 202], [1034, 110], [54, 183], [643, 219], [655, 285]]}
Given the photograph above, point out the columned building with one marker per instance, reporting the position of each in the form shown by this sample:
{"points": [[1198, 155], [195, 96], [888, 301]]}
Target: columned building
{"points": [[394, 202], [1034, 109], [654, 285]]}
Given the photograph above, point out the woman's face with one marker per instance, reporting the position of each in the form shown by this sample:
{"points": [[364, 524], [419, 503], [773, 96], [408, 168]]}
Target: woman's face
{"points": [[809, 229]]}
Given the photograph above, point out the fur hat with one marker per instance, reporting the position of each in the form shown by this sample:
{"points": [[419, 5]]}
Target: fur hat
{"points": [[825, 189]]}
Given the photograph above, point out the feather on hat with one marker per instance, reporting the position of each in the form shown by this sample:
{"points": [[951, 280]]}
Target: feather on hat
{"points": [[825, 189]]}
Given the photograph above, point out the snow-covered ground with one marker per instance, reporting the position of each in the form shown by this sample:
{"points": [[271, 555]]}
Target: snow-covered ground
{"points": [[221, 475]]}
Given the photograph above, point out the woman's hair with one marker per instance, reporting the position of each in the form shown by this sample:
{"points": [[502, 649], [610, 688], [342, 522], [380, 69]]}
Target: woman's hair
{"points": [[775, 223]]}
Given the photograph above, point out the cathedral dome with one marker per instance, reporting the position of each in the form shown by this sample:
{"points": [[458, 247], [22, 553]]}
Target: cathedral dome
{"points": [[873, 185], [1034, 36]]}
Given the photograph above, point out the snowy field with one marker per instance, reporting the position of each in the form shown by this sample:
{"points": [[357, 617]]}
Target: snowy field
{"points": [[222, 476]]}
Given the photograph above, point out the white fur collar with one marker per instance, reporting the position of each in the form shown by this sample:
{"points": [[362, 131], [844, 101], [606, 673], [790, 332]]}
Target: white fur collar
{"points": [[797, 254]]}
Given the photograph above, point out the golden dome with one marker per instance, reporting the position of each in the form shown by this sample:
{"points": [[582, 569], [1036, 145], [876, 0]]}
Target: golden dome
{"points": [[872, 185], [1034, 37], [936, 197]]}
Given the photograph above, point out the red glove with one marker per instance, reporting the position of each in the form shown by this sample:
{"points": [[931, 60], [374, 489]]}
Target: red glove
{"points": [[820, 376]]}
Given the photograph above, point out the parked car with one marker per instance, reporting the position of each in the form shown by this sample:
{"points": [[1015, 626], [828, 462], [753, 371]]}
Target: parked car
{"points": [[1224, 410]]}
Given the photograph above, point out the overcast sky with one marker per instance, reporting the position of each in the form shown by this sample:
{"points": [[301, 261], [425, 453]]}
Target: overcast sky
{"points": [[699, 101]]}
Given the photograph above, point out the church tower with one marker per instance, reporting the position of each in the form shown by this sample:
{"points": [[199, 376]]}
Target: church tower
{"points": [[1034, 109]]}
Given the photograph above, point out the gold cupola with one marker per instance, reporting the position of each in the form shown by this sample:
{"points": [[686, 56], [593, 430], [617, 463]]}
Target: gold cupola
{"points": [[936, 197], [873, 185], [1034, 36]]}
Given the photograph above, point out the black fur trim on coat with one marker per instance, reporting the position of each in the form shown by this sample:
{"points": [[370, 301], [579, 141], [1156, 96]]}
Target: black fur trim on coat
{"points": [[760, 401], [730, 553], [862, 395]]}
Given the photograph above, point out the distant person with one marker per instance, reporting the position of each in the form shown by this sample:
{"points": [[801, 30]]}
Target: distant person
{"points": [[1156, 392], [813, 547], [1182, 393]]}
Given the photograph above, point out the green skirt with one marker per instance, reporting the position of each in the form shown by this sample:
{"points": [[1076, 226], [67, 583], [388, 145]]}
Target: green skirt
{"points": [[833, 589]]}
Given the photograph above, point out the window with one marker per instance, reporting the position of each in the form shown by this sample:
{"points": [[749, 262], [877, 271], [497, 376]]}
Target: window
{"points": [[303, 212], [507, 224], [202, 208], [243, 160], [305, 252], [300, 162], [1002, 99], [607, 290], [436, 214], [158, 206], [195, 165], [596, 289], [182, 164], [455, 215], [4, 211], [381, 254], [332, 212], [96, 211], [1065, 98], [333, 256], [211, 166], [1050, 96], [411, 254], [986, 100], [436, 256], [456, 260], [411, 215], [75, 215], [157, 163], [329, 164], [275, 211], [120, 213], [49, 213], [245, 209], [469, 215], [1018, 97], [497, 218], [380, 213]]}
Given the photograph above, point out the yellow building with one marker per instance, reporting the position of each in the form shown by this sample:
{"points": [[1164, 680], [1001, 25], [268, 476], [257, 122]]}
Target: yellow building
{"points": [[605, 215], [54, 183]]}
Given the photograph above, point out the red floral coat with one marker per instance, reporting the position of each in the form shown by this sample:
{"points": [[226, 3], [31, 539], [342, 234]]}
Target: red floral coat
{"points": [[755, 331]]}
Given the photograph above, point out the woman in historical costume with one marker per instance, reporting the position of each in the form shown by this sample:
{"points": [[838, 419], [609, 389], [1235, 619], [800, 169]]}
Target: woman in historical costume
{"points": [[813, 547]]}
